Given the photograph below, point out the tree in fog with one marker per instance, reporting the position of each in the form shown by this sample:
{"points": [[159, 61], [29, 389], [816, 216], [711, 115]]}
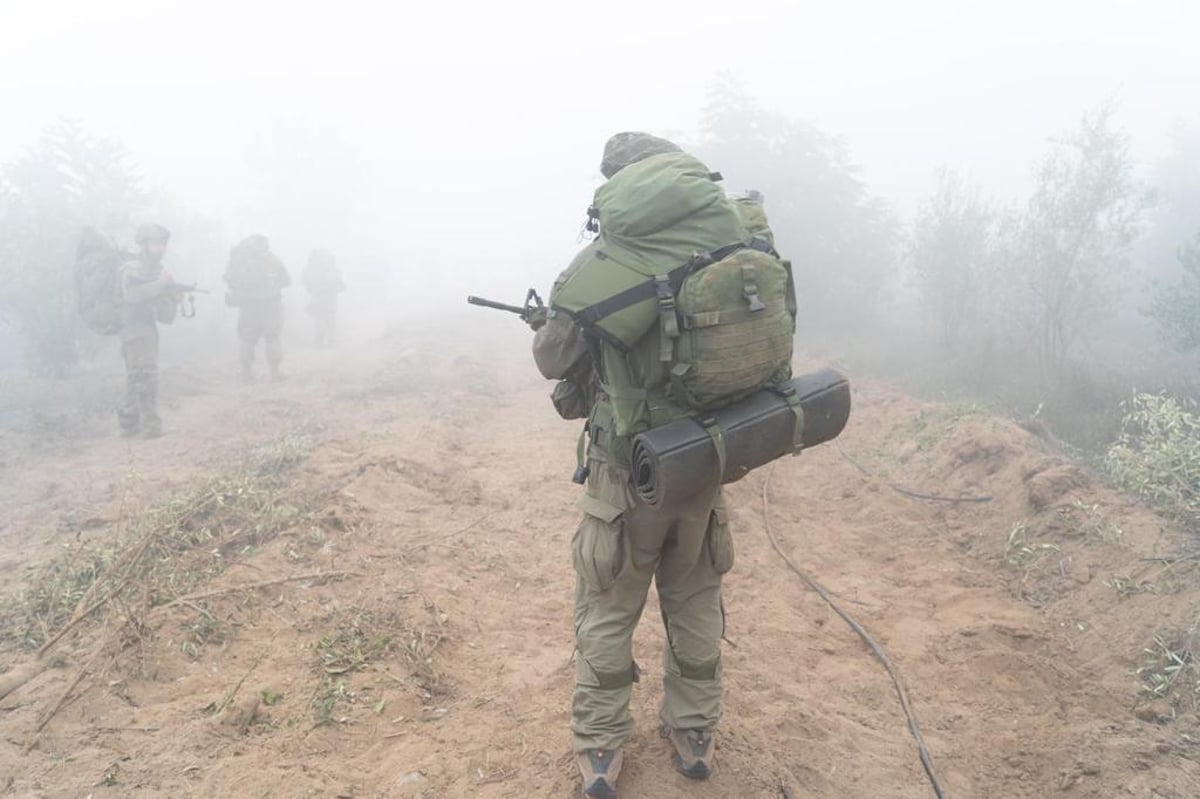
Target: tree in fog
{"points": [[949, 249], [1067, 253], [1176, 307], [1174, 270], [66, 181], [841, 240], [1176, 181]]}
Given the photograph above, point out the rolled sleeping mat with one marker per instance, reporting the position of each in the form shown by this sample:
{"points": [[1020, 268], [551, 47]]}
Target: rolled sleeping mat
{"points": [[678, 460]]}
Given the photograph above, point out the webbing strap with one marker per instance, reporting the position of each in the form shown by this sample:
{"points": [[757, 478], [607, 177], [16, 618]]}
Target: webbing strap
{"points": [[710, 318], [668, 320], [793, 401], [624, 392], [644, 291], [750, 289], [718, 436], [581, 452], [623, 299]]}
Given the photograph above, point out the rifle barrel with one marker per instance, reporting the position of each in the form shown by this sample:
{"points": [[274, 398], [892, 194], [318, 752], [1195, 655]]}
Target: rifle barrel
{"points": [[499, 306]]}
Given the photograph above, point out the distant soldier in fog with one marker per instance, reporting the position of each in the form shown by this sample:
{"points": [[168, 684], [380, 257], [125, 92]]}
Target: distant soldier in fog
{"points": [[256, 279], [323, 280], [148, 299]]}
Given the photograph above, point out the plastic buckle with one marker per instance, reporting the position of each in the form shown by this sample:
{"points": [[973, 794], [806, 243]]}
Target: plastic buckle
{"points": [[664, 293]]}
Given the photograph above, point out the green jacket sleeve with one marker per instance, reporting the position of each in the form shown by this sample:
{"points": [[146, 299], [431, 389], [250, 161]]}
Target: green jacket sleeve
{"points": [[138, 289], [559, 346]]}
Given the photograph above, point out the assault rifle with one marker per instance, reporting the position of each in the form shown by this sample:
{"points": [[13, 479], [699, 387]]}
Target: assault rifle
{"points": [[533, 302], [185, 295]]}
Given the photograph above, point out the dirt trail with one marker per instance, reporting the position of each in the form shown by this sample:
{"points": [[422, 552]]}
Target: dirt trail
{"points": [[442, 486]]}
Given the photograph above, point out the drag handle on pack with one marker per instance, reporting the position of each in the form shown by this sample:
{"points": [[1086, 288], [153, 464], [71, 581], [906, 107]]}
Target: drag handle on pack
{"points": [[532, 302]]}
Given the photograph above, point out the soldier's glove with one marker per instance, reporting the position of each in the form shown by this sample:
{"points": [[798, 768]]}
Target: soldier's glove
{"points": [[536, 318]]}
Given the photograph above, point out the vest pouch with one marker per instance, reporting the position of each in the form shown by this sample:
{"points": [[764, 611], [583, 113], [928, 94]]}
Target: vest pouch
{"points": [[736, 330], [569, 400]]}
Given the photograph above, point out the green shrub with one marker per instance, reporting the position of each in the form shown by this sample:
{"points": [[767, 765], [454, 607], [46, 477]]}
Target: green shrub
{"points": [[1157, 455]]}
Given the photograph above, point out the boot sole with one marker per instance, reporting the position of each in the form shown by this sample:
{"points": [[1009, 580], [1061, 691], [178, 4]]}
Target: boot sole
{"points": [[697, 771], [600, 789]]}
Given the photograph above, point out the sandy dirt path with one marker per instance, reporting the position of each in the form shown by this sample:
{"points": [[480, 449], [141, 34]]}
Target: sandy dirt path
{"points": [[440, 485]]}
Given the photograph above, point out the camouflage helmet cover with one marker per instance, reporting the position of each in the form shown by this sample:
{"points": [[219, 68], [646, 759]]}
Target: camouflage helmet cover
{"points": [[151, 232], [630, 147]]}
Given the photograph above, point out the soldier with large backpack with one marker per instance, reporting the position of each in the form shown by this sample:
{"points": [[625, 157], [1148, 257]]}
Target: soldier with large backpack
{"points": [[256, 279], [148, 298], [680, 306]]}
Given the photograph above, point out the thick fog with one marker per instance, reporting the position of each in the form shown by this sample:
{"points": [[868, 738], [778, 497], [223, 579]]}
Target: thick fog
{"points": [[471, 131], [452, 148]]}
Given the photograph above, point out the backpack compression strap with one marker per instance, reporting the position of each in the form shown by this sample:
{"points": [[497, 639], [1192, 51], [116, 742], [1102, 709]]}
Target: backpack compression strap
{"points": [[661, 287]]}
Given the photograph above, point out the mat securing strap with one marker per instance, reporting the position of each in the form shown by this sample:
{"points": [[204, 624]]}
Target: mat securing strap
{"points": [[713, 428], [788, 392]]}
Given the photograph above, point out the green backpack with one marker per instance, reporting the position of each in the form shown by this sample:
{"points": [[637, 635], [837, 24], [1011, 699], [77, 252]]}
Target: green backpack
{"points": [[98, 282], [676, 252]]}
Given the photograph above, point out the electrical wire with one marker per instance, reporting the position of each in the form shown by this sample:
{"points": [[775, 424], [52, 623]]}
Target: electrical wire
{"points": [[904, 491], [868, 639]]}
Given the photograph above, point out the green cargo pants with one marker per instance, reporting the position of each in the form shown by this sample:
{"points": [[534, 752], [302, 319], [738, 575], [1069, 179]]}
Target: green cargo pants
{"points": [[260, 319], [139, 408], [620, 546]]}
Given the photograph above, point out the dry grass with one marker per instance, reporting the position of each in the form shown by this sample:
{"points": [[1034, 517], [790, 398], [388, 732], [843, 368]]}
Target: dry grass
{"points": [[1170, 668], [363, 637], [160, 554]]}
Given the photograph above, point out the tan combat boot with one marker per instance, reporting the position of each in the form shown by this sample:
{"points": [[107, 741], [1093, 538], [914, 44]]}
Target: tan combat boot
{"points": [[694, 751], [600, 769]]}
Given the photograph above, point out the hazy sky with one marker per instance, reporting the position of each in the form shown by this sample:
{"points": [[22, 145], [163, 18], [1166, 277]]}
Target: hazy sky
{"points": [[462, 120]]}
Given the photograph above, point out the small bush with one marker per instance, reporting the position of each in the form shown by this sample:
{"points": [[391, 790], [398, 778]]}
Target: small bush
{"points": [[1157, 455]]}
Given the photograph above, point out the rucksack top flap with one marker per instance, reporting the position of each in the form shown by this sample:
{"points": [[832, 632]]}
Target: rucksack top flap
{"points": [[656, 193]]}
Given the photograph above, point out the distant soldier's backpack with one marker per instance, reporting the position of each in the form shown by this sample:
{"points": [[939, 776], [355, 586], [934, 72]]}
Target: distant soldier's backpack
{"points": [[98, 282]]}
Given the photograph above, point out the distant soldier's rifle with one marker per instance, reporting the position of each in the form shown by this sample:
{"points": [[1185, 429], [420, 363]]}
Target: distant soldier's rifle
{"points": [[185, 295]]}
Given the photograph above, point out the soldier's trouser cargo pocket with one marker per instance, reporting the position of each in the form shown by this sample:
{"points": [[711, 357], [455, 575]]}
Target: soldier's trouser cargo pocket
{"points": [[598, 548], [720, 539]]}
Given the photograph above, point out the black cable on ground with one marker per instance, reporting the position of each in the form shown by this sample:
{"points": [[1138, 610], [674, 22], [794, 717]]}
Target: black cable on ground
{"points": [[868, 639], [904, 491]]}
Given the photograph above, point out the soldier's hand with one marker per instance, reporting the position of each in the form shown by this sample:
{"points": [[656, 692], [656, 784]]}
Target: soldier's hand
{"points": [[537, 318], [167, 278]]}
